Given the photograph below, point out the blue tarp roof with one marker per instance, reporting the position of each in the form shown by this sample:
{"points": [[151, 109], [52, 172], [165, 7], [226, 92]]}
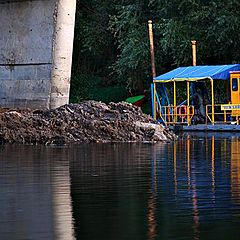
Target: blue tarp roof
{"points": [[195, 73]]}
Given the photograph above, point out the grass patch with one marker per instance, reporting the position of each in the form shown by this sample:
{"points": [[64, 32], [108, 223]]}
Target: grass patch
{"points": [[85, 87]]}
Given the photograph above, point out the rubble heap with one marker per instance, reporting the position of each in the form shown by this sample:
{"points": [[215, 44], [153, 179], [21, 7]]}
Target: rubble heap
{"points": [[88, 121]]}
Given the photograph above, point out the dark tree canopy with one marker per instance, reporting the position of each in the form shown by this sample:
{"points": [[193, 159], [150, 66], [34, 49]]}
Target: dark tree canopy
{"points": [[111, 39]]}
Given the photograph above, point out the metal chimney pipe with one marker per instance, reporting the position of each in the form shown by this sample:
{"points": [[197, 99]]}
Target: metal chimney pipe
{"points": [[150, 28], [194, 52]]}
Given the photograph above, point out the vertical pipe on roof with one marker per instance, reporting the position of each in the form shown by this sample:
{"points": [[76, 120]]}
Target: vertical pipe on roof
{"points": [[194, 52], [194, 62]]}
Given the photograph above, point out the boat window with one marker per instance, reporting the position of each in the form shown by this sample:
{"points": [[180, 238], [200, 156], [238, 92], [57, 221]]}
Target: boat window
{"points": [[235, 84]]}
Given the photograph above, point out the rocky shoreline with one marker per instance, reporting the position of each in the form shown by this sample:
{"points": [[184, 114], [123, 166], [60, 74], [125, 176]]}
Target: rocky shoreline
{"points": [[87, 121]]}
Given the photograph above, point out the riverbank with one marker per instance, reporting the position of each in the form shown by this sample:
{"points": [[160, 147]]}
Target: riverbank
{"points": [[87, 121]]}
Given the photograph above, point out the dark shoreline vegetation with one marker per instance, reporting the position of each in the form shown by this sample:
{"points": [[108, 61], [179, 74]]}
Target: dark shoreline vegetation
{"points": [[111, 58], [86, 122]]}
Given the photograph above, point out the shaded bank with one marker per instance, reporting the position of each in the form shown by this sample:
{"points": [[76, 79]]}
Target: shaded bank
{"points": [[88, 121]]}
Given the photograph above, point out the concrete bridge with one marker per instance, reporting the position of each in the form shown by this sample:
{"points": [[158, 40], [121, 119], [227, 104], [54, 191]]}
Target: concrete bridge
{"points": [[36, 42]]}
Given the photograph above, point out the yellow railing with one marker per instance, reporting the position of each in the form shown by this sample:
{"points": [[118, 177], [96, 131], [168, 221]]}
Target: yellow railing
{"points": [[217, 115], [176, 115], [171, 115]]}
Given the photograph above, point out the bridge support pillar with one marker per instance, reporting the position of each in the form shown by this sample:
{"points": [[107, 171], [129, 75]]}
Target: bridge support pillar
{"points": [[36, 44], [62, 52]]}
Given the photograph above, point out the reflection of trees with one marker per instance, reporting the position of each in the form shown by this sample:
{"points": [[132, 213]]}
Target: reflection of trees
{"points": [[111, 190], [152, 191]]}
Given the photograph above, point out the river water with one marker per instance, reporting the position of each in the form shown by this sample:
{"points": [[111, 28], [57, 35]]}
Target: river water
{"points": [[189, 189]]}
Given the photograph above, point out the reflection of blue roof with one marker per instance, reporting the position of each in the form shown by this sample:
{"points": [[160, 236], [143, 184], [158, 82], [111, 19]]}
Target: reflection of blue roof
{"points": [[194, 73]]}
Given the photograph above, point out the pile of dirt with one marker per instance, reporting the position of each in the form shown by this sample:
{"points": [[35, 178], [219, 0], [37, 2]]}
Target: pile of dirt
{"points": [[88, 121]]}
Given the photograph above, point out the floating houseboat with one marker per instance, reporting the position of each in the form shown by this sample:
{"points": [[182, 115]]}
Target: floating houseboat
{"points": [[198, 111]]}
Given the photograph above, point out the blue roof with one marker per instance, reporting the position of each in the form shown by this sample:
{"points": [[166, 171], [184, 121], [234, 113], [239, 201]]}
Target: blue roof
{"points": [[194, 73]]}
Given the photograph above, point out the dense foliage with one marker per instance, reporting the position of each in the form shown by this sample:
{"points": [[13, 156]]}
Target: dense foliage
{"points": [[112, 46]]}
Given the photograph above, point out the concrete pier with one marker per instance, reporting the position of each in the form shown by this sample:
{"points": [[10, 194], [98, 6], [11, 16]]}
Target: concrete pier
{"points": [[62, 52], [36, 40]]}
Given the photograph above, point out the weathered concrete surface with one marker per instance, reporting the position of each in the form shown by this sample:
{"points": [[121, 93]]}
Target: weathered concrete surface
{"points": [[25, 86], [62, 52], [26, 33], [28, 43]]}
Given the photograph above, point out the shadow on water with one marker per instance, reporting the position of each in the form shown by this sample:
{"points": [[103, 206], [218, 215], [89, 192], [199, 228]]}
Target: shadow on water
{"points": [[188, 189]]}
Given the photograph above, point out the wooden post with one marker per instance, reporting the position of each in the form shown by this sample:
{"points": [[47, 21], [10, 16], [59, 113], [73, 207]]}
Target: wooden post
{"points": [[150, 29], [194, 52]]}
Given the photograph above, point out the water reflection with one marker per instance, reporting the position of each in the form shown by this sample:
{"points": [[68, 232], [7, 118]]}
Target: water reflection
{"points": [[221, 159], [213, 163], [114, 191], [189, 189], [188, 146], [235, 170], [228, 150], [35, 200], [152, 225], [62, 203], [223, 178], [184, 190]]}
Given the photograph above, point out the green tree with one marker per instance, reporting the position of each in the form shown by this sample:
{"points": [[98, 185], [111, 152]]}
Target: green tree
{"points": [[112, 43]]}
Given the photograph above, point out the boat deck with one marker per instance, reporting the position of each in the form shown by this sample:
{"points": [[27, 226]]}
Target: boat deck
{"points": [[207, 127]]}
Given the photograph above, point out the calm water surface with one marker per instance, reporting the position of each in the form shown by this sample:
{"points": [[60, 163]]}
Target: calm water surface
{"points": [[189, 189]]}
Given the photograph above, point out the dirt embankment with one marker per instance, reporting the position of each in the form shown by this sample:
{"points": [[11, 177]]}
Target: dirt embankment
{"points": [[88, 121]]}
